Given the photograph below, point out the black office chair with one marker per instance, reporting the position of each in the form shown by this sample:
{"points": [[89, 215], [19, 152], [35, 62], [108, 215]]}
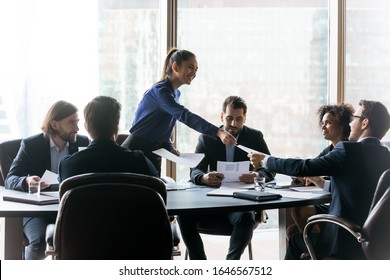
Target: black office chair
{"points": [[374, 234], [174, 227], [226, 229], [112, 216], [8, 151], [120, 138]]}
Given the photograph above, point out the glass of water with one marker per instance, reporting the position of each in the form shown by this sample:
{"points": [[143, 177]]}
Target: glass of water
{"points": [[259, 183], [33, 187]]}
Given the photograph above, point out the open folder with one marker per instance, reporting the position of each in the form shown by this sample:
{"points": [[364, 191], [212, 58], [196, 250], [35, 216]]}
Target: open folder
{"points": [[41, 199]]}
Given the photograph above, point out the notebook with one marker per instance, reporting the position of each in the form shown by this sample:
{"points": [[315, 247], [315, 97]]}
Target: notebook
{"points": [[256, 195], [41, 199]]}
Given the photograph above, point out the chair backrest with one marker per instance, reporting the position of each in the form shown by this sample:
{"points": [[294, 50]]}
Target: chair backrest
{"points": [[377, 226], [8, 151], [381, 188], [115, 177], [121, 138], [112, 220]]}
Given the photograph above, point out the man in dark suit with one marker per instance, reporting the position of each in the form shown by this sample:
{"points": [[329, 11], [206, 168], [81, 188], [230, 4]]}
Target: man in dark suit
{"points": [[103, 154], [39, 153], [233, 117], [355, 167]]}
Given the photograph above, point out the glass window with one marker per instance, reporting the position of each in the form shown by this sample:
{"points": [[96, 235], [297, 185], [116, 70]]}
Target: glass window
{"points": [[74, 50], [274, 54], [368, 52], [129, 56]]}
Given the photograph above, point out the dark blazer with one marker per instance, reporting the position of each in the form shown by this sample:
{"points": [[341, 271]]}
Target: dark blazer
{"points": [[33, 158], [215, 150], [105, 156], [354, 169]]}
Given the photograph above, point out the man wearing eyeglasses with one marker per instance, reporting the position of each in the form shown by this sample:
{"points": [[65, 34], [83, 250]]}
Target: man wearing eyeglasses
{"points": [[354, 167]]}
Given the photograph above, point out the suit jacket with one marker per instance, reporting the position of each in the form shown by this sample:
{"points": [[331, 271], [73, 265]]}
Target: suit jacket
{"points": [[105, 155], [33, 158], [354, 169], [215, 150]]}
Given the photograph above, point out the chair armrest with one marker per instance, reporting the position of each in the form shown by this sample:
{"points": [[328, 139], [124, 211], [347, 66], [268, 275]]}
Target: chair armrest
{"points": [[351, 227], [50, 234], [261, 216], [175, 234], [175, 238], [50, 251]]}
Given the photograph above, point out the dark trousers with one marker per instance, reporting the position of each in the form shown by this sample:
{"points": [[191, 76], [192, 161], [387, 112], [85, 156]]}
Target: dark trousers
{"points": [[35, 231], [241, 222], [296, 246], [135, 143], [349, 251]]}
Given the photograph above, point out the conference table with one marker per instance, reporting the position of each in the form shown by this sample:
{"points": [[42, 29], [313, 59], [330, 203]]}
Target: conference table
{"points": [[181, 200]]}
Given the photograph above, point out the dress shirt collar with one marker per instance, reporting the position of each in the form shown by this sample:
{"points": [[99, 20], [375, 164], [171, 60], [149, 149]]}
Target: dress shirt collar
{"points": [[369, 138], [54, 145]]}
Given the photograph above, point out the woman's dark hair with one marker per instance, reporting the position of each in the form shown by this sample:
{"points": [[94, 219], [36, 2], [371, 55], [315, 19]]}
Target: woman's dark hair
{"points": [[342, 113], [174, 55]]}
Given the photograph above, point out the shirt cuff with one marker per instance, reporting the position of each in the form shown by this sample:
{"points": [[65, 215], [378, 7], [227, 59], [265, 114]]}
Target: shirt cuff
{"points": [[327, 186], [264, 161]]}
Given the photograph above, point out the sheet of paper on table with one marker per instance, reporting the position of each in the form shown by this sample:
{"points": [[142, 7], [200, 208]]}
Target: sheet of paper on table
{"points": [[295, 194], [228, 188], [306, 189]]}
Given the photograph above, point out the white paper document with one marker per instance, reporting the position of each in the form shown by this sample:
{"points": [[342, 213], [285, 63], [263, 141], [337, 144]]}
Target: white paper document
{"points": [[49, 178], [186, 159], [246, 149], [293, 194], [227, 189], [306, 189], [232, 170]]}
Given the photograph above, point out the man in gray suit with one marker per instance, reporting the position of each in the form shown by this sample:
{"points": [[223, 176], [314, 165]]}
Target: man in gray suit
{"points": [[354, 168]]}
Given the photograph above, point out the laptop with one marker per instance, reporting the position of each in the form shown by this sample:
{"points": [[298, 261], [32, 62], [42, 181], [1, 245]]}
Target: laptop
{"points": [[41, 199]]}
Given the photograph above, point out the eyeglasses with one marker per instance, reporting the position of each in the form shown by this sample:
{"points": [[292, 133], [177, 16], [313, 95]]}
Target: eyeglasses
{"points": [[359, 117]]}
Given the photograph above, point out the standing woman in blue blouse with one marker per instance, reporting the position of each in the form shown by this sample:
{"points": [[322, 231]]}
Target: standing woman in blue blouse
{"points": [[159, 110]]}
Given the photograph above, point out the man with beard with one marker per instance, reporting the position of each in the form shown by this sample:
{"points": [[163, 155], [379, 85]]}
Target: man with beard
{"points": [[39, 153], [233, 117]]}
